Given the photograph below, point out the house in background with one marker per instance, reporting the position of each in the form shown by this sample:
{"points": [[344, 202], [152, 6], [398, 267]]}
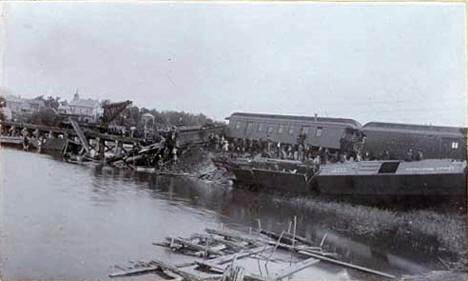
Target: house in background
{"points": [[17, 107], [87, 110]]}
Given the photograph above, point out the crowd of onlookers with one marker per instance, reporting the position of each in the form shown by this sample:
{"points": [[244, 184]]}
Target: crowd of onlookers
{"points": [[301, 151], [242, 147]]}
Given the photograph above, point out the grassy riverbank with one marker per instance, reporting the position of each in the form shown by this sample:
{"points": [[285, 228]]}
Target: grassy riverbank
{"points": [[414, 227]]}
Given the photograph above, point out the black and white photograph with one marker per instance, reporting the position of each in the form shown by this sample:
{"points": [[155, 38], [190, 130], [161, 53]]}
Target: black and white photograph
{"points": [[233, 140]]}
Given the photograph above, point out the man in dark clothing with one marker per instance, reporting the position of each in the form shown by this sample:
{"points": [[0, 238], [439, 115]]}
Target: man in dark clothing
{"points": [[409, 155]]}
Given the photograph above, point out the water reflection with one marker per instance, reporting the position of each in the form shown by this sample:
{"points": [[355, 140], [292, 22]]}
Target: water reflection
{"points": [[64, 221]]}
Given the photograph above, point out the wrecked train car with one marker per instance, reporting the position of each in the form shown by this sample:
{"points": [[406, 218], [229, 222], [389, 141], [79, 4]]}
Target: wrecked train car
{"points": [[332, 133], [435, 142]]}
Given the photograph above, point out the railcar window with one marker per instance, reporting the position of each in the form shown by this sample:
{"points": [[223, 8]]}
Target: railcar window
{"points": [[260, 127], [291, 130], [455, 145], [238, 125], [270, 129], [318, 133], [249, 126], [280, 129]]}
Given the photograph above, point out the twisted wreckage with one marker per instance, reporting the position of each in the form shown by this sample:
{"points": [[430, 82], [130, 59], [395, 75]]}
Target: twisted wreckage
{"points": [[258, 256], [79, 142]]}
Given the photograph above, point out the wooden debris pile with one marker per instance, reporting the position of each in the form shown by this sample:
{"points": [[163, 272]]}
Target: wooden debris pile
{"points": [[230, 256]]}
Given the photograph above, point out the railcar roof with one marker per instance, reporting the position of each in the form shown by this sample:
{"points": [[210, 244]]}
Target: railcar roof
{"points": [[351, 122], [413, 127]]}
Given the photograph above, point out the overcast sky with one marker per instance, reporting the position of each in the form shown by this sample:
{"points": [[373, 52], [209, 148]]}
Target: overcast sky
{"points": [[397, 62]]}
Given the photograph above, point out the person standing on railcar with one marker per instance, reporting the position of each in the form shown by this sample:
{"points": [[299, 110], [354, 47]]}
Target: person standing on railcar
{"points": [[278, 150], [419, 155], [409, 155]]}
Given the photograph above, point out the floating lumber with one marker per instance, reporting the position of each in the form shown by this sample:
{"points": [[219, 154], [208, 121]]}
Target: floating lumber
{"points": [[233, 245], [185, 275], [134, 271], [295, 268], [196, 247], [295, 248], [227, 258], [299, 238], [250, 277], [276, 236], [361, 268], [175, 277], [314, 250], [234, 236], [80, 134]]}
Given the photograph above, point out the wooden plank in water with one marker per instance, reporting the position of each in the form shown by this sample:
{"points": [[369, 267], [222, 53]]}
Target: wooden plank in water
{"points": [[276, 236], [295, 248], [357, 267], [178, 271], [295, 268], [230, 244], [228, 258], [134, 271], [196, 247], [235, 236], [300, 239]]}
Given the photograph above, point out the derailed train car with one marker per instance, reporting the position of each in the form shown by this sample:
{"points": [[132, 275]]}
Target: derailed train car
{"points": [[435, 142], [374, 138], [330, 133], [440, 172]]}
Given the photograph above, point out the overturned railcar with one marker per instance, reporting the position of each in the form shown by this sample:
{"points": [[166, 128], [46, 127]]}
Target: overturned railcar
{"points": [[331, 133], [435, 142]]}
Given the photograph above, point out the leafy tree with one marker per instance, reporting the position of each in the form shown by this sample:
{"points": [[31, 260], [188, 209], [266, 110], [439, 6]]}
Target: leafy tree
{"points": [[45, 116]]}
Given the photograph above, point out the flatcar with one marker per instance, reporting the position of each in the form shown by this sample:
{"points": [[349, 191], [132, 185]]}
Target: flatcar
{"points": [[435, 142], [331, 133]]}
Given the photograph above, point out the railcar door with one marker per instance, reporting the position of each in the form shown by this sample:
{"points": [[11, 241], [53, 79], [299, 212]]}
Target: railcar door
{"points": [[306, 131], [249, 130]]}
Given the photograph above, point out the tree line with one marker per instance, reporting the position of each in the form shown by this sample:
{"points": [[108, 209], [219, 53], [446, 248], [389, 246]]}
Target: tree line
{"points": [[130, 117]]}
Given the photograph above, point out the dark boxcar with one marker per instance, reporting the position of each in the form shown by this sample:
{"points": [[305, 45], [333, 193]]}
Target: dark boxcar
{"points": [[325, 132], [435, 142], [197, 134], [431, 177]]}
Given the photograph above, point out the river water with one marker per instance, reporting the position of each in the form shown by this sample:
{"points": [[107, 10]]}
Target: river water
{"points": [[74, 222]]}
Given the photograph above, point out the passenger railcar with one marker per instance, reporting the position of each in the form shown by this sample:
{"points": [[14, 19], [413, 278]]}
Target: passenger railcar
{"points": [[435, 142], [331, 133]]}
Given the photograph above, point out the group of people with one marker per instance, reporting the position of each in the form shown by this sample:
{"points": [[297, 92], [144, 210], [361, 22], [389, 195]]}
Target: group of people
{"points": [[35, 136], [301, 151], [243, 147]]}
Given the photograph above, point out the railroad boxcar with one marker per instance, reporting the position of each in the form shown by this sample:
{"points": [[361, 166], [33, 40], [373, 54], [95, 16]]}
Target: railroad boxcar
{"points": [[435, 142], [331, 133]]}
